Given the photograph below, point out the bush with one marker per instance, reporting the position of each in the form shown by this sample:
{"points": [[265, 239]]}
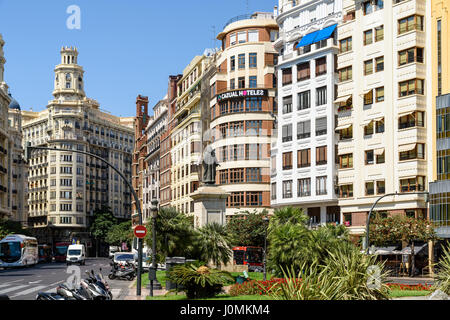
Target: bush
{"points": [[199, 282], [443, 273], [409, 287]]}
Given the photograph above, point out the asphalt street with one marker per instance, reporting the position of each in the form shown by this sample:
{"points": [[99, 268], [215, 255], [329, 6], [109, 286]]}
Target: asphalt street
{"points": [[25, 283]]}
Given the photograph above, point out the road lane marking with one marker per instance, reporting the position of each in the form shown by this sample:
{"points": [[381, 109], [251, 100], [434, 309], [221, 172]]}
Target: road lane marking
{"points": [[35, 282], [34, 289], [14, 289]]}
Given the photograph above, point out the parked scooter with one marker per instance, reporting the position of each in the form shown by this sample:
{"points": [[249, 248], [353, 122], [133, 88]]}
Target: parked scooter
{"points": [[49, 296], [122, 272]]}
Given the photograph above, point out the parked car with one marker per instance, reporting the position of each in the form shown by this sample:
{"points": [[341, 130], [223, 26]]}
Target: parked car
{"points": [[123, 257]]}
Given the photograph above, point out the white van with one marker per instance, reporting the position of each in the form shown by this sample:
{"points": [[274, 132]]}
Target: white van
{"points": [[76, 253]]}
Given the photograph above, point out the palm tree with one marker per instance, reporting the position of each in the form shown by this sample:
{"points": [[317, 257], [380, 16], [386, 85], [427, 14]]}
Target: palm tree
{"points": [[288, 215], [213, 243]]}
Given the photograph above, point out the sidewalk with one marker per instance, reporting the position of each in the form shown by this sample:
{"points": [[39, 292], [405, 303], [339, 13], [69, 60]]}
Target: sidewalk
{"points": [[411, 281], [145, 292]]}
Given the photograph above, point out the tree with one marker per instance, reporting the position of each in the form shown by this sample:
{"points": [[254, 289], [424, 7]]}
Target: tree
{"points": [[11, 227], [174, 234], [120, 233], [104, 221], [292, 244], [397, 228], [213, 243], [248, 228]]}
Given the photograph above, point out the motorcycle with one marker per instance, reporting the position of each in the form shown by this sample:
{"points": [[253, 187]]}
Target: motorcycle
{"points": [[122, 272]]}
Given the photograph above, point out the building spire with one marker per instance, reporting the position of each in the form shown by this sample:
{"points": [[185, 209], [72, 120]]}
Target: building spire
{"points": [[69, 83]]}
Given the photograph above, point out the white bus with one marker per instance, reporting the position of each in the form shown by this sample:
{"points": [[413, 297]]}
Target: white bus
{"points": [[17, 250]]}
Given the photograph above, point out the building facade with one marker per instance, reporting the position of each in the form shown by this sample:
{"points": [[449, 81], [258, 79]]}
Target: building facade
{"points": [[440, 95], [155, 128], [5, 141], [304, 170], [382, 109], [65, 188], [186, 148], [242, 110]]}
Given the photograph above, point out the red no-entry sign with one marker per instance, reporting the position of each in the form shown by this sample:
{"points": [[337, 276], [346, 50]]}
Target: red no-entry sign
{"points": [[140, 231]]}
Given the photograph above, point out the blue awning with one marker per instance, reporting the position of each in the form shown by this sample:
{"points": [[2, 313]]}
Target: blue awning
{"points": [[325, 33], [307, 39]]}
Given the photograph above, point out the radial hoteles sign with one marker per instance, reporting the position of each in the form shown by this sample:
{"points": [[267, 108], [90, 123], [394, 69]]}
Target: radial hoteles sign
{"points": [[242, 94]]}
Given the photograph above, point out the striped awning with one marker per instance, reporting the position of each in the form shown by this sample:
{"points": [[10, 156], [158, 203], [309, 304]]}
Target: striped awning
{"points": [[344, 126], [406, 147], [343, 99]]}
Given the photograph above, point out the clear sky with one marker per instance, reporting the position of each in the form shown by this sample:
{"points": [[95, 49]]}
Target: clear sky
{"points": [[125, 47]]}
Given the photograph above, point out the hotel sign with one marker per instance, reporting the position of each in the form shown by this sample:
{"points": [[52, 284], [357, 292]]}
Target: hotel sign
{"points": [[242, 94]]}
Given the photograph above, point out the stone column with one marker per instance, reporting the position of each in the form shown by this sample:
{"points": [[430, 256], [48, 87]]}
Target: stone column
{"points": [[209, 205]]}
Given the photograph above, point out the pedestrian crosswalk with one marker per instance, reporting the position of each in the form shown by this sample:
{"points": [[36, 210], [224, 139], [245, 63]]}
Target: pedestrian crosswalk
{"points": [[22, 291]]}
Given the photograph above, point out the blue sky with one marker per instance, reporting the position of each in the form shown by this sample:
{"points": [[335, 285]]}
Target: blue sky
{"points": [[126, 47]]}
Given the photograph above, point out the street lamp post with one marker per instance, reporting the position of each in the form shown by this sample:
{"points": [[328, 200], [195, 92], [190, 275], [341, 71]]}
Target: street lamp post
{"points": [[154, 284], [135, 196], [266, 219]]}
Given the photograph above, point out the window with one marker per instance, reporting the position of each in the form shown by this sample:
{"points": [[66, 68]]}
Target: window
{"points": [[232, 63], [65, 195], [379, 64], [345, 45], [287, 76], [253, 36], [370, 188], [321, 155], [65, 207], [368, 37], [287, 160], [346, 191], [412, 184], [414, 119], [304, 100], [273, 191], [345, 74], [321, 66], [252, 82], [321, 96], [349, 16], [303, 71], [241, 82], [410, 55], [287, 189], [254, 175], [304, 187], [254, 199], [66, 170], [65, 220], [417, 152], [242, 37], [368, 129], [304, 129], [241, 61], [379, 94], [379, 33], [411, 87], [236, 199], [368, 98], [321, 126], [253, 104], [414, 22], [369, 156], [67, 85], [368, 67], [379, 126], [380, 156], [381, 188], [287, 104], [321, 186], [287, 133], [304, 158], [346, 161], [252, 60], [253, 127], [367, 7], [347, 133]]}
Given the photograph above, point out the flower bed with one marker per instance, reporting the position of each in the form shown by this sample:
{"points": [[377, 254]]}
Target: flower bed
{"points": [[409, 287]]}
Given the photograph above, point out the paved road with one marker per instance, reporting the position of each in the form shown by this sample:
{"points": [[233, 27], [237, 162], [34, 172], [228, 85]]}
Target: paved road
{"points": [[25, 283]]}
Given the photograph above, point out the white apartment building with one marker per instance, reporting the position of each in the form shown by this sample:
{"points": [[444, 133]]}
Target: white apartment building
{"points": [[383, 116], [156, 126], [65, 188], [304, 170]]}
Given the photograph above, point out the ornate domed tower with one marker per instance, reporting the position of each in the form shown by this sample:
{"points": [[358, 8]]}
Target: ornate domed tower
{"points": [[69, 83]]}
